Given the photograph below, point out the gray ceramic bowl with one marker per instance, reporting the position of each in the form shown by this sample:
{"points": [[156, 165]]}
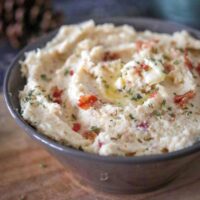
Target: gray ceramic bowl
{"points": [[111, 174]]}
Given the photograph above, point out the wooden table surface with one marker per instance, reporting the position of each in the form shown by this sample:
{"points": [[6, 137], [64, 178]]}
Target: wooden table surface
{"points": [[28, 172]]}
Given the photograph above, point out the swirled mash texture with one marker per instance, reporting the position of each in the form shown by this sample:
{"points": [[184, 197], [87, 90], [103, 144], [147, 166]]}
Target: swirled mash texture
{"points": [[111, 90]]}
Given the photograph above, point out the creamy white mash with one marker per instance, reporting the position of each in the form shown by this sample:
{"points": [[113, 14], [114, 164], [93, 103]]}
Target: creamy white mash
{"points": [[113, 91]]}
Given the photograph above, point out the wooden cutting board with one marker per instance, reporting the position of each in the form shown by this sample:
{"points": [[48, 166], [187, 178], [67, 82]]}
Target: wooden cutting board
{"points": [[28, 172]]}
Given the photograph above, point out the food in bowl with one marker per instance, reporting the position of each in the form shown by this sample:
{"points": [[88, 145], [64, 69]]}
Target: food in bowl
{"points": [[113, 91]]}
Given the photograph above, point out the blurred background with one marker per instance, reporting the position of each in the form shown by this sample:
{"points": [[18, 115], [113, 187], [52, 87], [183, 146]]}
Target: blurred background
{"points": [[22, 21]]}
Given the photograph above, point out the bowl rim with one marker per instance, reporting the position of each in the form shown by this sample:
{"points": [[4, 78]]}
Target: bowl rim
{"points": [[141, 159]]}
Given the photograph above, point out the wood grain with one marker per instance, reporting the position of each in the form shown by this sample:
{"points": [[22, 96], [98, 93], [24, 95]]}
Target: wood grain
{"points": [[28, 172]]}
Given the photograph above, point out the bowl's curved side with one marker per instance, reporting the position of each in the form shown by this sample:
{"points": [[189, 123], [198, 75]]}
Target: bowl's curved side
{"points": [[123, 177], [119, 174]]}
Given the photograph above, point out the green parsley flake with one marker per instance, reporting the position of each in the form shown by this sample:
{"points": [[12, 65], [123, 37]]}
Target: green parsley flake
{"points": [[156, 113], [131, 116], [163, 103], [21, 111], [74, 117], [130, 92], [30, 97], [105, 83], [181, 50], [150, 105], [166, 57], [44, 77], [119, 104], [49, 97], [172, 115], [188, 113], [176, 62], [95, 129], [66, 72], [136, 97], [169, 108]]}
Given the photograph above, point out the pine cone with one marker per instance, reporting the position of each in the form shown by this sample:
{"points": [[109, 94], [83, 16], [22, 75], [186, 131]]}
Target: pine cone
{"points": [[21, 21]]}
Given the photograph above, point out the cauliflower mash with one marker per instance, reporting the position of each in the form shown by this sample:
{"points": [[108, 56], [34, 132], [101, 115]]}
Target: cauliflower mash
{"points": [[110, 90]]}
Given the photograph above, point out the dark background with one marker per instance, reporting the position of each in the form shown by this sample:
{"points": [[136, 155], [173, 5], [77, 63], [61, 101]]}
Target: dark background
{"points": [[182, 11]]}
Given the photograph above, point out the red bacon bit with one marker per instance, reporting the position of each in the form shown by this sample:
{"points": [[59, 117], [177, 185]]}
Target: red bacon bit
{"points": [[89, 135], [168, 68], [182, 100], [152, 95], [138, 71], [198, 69], [100, 144], [187, 61], [56, 95], [110, 56], [145, 66], [76, 127], [71, 72], [143, 125], [87, 101]]}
